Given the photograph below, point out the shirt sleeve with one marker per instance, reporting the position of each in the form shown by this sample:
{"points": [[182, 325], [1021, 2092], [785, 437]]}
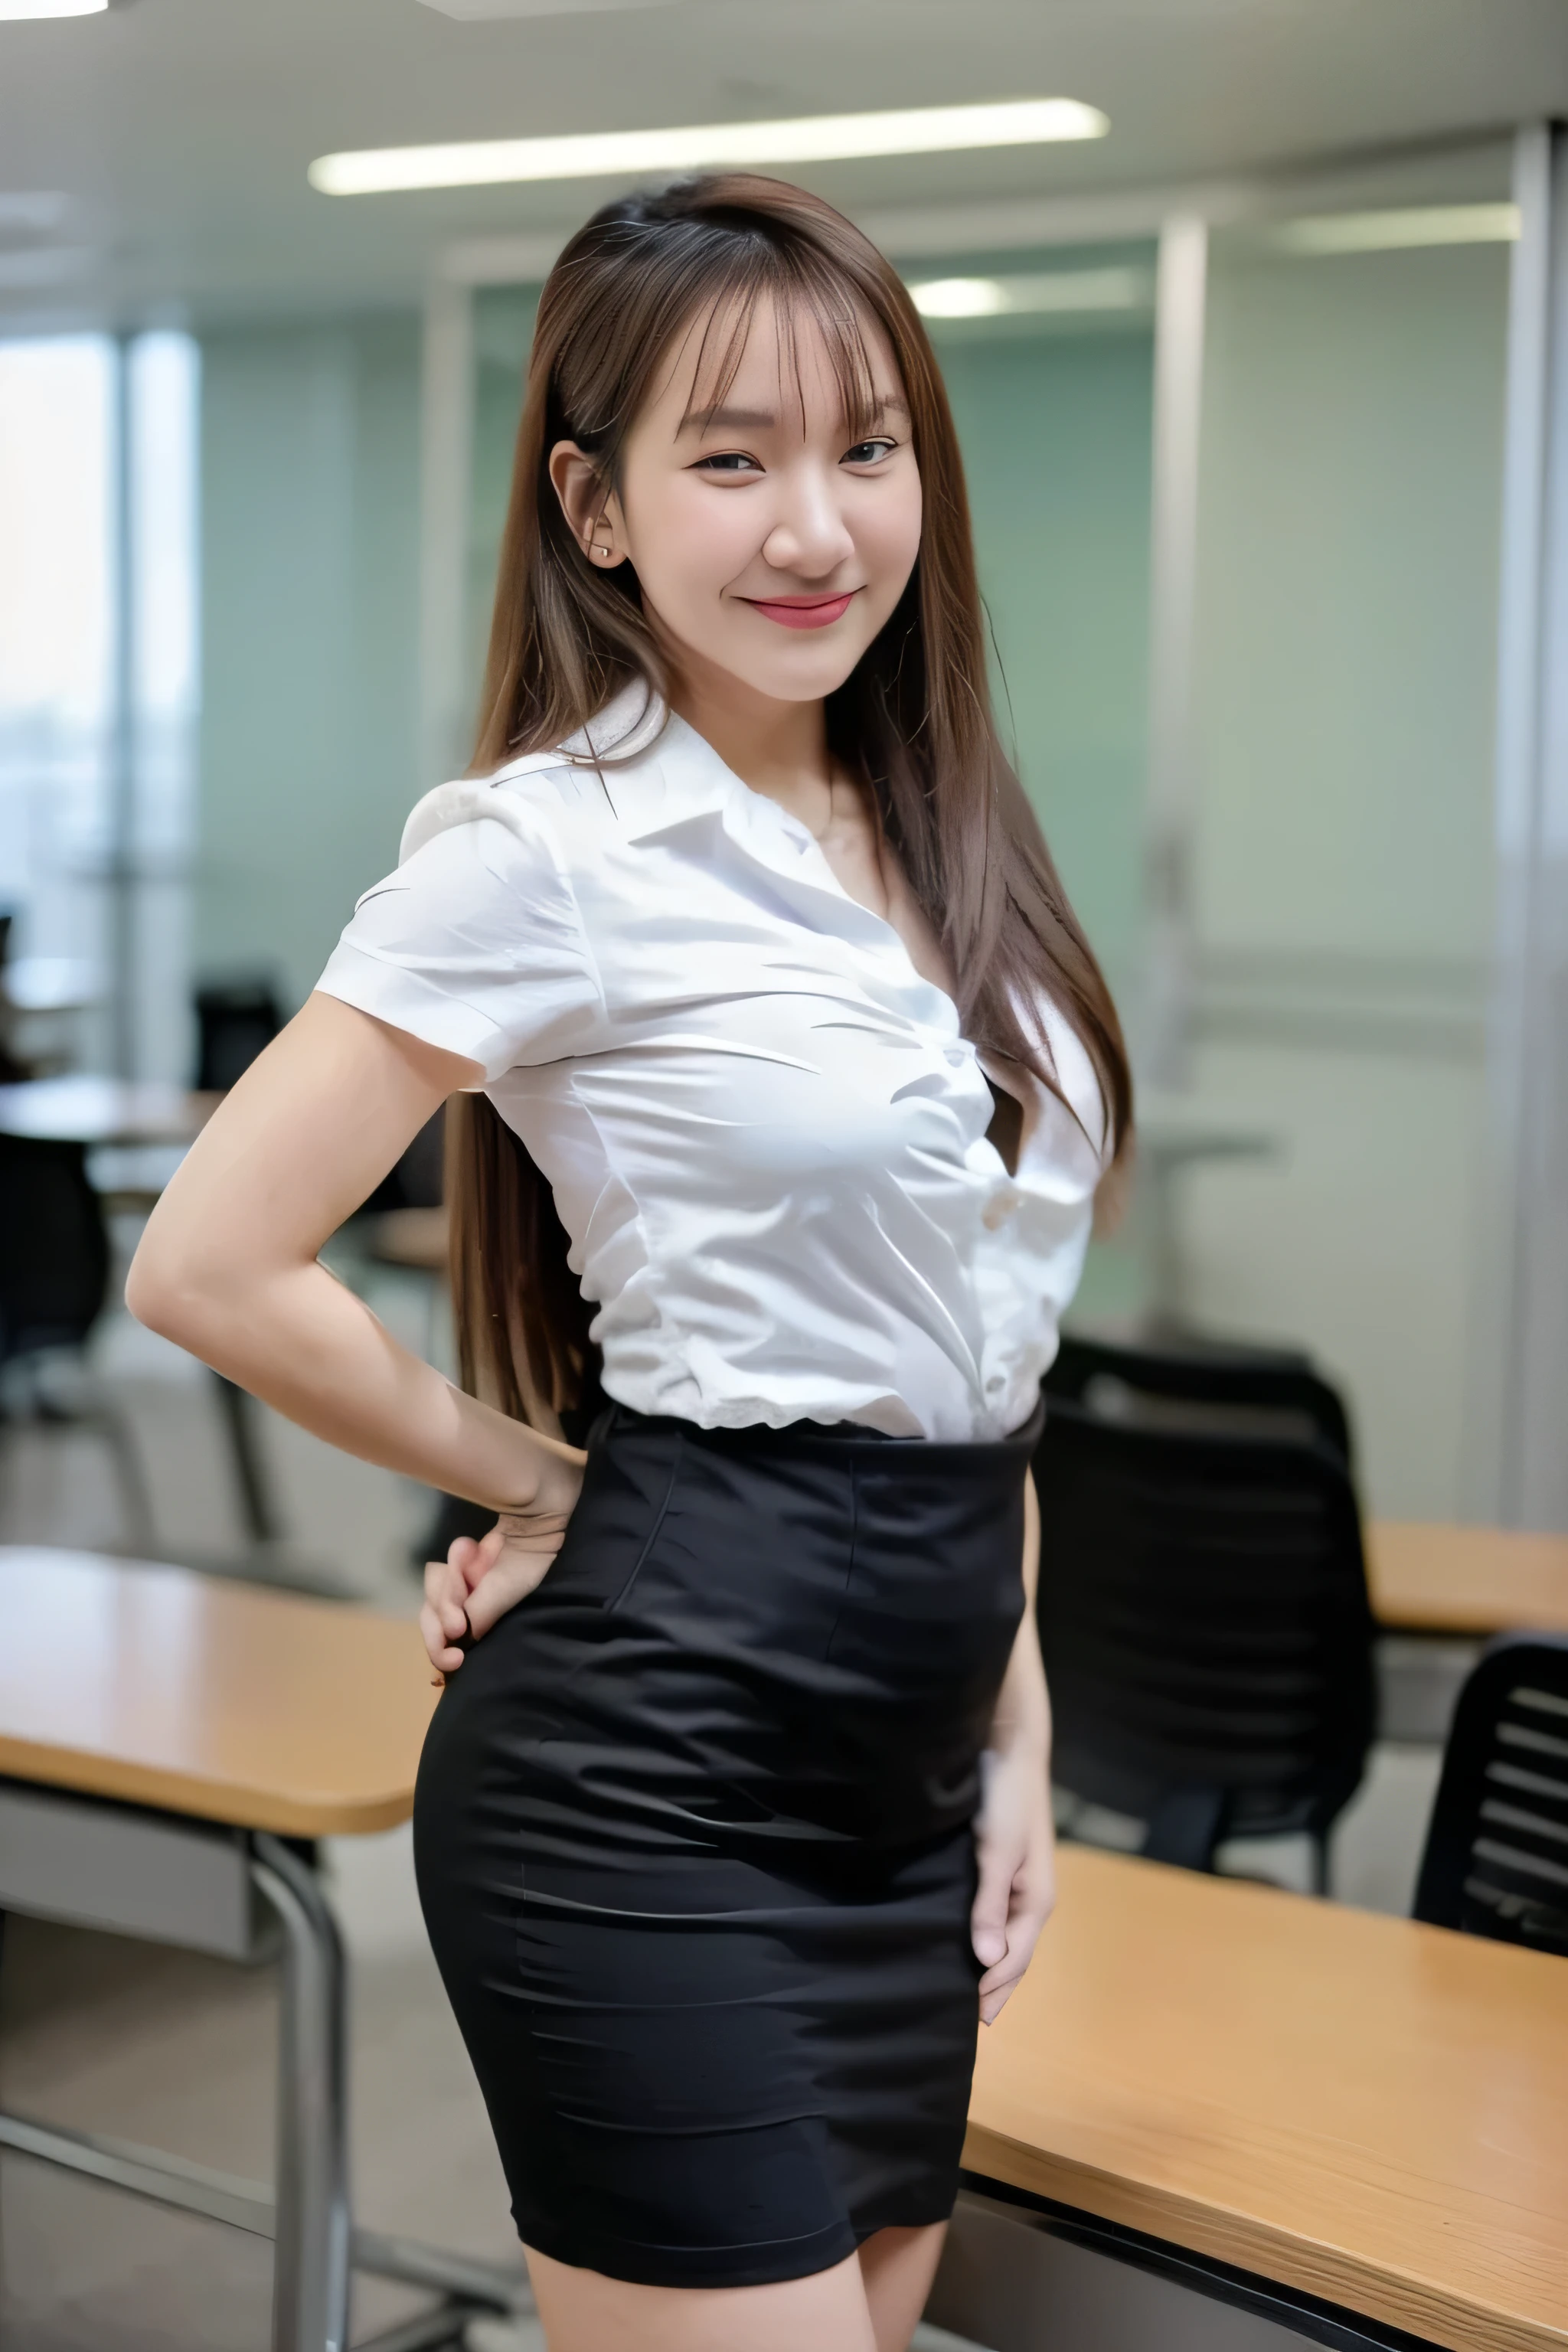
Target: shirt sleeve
{"points": [[474, 944]]}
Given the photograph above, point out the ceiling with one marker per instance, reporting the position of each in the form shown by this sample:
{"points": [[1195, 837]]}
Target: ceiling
{"points": [[178, 131]]}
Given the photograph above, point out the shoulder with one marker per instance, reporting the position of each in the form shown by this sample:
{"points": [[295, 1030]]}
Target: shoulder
{"points": [[555, 804]]}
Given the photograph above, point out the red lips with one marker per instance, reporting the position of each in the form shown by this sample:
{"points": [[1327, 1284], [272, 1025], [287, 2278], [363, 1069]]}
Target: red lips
{"points": [[801, 611]]}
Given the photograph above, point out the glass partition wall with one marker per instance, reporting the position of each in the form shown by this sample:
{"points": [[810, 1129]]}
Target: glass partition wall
{"points": [[1313, 1108], [1342, 883], [98, 698]]}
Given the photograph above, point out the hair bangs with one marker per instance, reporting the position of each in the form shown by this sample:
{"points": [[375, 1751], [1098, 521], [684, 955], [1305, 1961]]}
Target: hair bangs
{"points": [[804, 295]]}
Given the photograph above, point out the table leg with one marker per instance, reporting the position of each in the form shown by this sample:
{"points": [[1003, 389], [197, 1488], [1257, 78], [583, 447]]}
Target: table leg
{"points": [[262, 1521], [310, 2279]]}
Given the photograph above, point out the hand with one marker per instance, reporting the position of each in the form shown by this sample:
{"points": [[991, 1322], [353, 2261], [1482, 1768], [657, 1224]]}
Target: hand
{"points": [[478, 1582], [1018, 1847]]}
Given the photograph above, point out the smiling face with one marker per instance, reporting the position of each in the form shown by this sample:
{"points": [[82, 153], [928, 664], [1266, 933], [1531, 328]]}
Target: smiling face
{"points": [[770, 534]]}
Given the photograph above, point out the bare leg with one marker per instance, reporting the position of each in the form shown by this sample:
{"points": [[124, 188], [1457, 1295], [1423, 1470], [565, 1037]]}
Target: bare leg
{"points": [[899, 2267], [583, 2312]]}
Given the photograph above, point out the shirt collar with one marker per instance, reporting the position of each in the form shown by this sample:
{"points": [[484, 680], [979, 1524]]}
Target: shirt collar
{"points": [[660, 773], [657, 771], [629, 723]]}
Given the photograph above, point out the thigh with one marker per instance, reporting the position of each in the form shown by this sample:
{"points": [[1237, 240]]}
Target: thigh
{"points": [[897, 2266], [583, 2311]]}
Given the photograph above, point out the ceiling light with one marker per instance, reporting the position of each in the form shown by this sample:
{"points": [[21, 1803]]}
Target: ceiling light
{"points": [[1327, 233], [1061, 292], [813, 139], [11, 10], [484, 12]]}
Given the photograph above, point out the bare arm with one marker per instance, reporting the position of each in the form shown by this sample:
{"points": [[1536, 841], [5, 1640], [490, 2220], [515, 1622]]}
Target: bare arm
{"points": [[228, 1268], [1017, 1846], [1023, 1718]]}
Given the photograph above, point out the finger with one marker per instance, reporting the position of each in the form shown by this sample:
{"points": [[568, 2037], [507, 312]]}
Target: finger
{"points": [[442, 1654], [446, 1597], [993, 1901], [1023, 1935], [482, 1561], [503, 1588], [474, 1559], [992, 2004]]}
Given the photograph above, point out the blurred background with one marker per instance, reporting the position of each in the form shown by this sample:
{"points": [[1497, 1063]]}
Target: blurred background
{"points": [[1258, 425]]}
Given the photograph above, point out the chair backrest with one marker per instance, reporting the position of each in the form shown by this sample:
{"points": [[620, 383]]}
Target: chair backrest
{"points": [[1496, 1862], [1203, 1385], [54, 1248], [236, 1019], [1207, 1631]]}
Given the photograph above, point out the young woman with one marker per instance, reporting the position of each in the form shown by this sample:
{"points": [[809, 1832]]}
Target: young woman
{"points": [[782, 1081]]}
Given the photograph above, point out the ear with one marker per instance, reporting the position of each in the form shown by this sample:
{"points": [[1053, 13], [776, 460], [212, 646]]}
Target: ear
{"points": [[593, 513]]}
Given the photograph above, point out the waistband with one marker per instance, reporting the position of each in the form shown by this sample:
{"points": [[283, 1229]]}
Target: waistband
{"points": [[801, 1439]]}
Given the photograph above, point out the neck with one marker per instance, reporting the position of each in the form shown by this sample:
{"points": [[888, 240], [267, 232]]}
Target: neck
{"points": [[778, 748]]}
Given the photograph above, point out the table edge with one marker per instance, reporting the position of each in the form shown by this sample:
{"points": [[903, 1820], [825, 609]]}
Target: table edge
{"points": [[331, 1815], [1331, 2273]]}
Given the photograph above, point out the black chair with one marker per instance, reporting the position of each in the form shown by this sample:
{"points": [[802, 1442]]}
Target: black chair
{"points": [[1208, 1636], [416, 1179], [1202, 1384], [54, 1277], [1496, 1862], [236, 1020]]}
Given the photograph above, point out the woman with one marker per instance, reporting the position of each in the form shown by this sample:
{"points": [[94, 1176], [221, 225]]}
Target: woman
{"points": [[758, 994]]}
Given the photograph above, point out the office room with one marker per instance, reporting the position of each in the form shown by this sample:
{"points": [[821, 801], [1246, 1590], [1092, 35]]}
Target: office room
{"points": [[783, 778]]}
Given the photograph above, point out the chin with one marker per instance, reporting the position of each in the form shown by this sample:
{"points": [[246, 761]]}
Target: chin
{"points": [[806, 673]]}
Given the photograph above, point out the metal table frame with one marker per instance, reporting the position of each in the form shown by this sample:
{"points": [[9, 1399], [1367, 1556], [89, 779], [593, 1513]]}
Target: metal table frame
{"points": [[243, 1896], [1202, 2276]]}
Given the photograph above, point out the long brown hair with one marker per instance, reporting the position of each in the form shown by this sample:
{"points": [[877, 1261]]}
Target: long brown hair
{"points": [[913, 720]]}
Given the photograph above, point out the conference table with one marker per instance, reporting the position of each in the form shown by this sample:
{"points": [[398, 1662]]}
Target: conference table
{"points": [[166, 1740], [1465, 1579], [1220, 2116]]}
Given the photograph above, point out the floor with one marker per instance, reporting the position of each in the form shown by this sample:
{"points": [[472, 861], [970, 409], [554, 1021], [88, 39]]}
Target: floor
{"points": [[177, 2052]]}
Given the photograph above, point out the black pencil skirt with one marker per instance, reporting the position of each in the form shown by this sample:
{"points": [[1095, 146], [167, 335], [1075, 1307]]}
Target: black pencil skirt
{"points": [[694, 1840]]}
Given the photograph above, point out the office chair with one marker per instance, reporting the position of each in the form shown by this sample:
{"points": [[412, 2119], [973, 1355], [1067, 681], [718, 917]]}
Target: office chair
{"points": [[54, 1277], [1496, 1862], [236, 1019], [1197, 1384], [1207, 1637]]}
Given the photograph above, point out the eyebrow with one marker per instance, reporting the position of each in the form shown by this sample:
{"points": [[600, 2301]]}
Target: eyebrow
{"points": [[754, 420]]}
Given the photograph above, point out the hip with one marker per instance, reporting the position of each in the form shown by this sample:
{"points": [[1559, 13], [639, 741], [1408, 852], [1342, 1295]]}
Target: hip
{"points": [[753, 1635]]}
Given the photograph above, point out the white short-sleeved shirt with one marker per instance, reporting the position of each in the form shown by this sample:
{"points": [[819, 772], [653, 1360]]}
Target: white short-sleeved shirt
{"points": [[765, 1134]]}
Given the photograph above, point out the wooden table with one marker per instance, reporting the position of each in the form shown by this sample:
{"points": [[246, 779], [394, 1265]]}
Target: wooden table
{"points": [[1452, 1579], [1362, 2110], [160, 1735], [222, 1702]]}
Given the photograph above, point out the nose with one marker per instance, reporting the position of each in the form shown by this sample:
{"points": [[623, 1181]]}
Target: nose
{"points": [[809, 535]]}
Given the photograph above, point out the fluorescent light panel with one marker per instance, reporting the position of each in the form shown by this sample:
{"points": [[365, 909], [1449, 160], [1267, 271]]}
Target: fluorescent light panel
{"points": [[1330, 232], [1061, 292], [477, 12], [13, 11], [811, 139]]}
